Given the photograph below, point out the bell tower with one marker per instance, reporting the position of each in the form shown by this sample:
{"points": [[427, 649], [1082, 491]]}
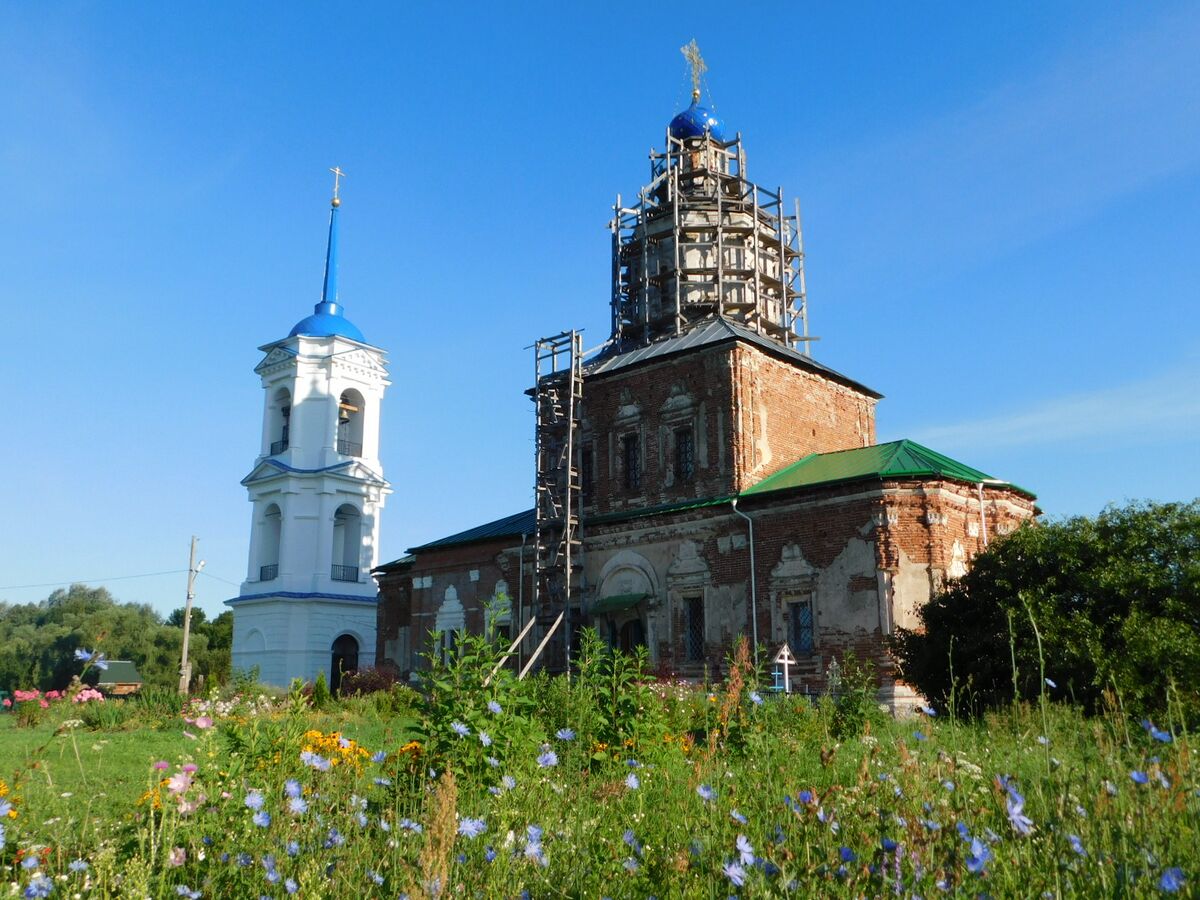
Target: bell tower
{"points": [[317, 489]]}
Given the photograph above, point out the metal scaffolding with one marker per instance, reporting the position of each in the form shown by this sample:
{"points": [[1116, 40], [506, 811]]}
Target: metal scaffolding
{"points": [[558, 404], [703, 241]]}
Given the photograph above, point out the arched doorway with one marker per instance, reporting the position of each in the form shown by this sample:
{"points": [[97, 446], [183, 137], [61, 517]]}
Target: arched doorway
{"points": [[631, 636], [345, 659]]}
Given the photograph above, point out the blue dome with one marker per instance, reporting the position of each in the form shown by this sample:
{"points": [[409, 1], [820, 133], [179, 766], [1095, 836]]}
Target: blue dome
{"points": [[327, 321], [694, 121]]}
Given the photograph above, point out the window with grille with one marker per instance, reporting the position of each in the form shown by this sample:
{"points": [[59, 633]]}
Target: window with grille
{"points": [[693, 630], [632, 451], [685, 455], [801, 627]]}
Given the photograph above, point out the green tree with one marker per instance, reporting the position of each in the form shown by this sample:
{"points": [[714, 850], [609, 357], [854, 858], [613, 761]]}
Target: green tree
{"points": [[1116, 599]]}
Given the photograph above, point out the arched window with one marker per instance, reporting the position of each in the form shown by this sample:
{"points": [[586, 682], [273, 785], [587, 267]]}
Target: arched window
{"points": [[281, 419], [350, 424], [451, 619], [347, 543], [344, 659], [268, 548]]}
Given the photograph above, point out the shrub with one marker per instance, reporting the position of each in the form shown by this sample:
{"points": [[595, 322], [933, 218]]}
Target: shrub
{"points": [[369, 681], [1114, 602]]}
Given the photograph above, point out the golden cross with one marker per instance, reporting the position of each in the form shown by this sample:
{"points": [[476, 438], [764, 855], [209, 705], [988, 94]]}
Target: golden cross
{"points": [[691, 52], [337, 173]]}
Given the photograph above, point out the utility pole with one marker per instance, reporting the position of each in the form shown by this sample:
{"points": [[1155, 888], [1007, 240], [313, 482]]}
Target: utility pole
{"points": [[185, 667]]}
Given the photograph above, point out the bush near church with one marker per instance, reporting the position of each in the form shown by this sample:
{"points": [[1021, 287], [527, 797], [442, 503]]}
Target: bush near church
{"points": [[1115, 598]]}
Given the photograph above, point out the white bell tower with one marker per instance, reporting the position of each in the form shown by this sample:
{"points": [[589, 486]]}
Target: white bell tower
{"points": [[317, 489]]}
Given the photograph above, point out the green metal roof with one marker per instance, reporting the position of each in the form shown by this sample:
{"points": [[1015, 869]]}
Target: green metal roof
{"points": [[617, 603], [897, 459], [120, 671]]}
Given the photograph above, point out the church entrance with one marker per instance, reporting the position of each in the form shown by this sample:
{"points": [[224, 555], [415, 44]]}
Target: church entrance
{"points": [[631, 636], [345, 659]]}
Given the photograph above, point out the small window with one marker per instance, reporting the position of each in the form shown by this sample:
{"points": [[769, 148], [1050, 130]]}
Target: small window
{"points": [[685, 455], [693, 629], [800, 627], [632, 452]]}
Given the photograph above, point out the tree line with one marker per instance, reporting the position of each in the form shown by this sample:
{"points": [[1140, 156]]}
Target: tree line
{"points": [[38, 640]]}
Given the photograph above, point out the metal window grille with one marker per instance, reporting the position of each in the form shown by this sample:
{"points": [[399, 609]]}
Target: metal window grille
{"points": [[633, 462], [268, 573], [801, 627], [349, 448], [694, 629], [344, 573], [685, 455]]}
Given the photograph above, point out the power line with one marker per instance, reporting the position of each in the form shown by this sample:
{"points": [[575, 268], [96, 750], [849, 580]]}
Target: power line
{"points": [[219, 578], [15, 587]]}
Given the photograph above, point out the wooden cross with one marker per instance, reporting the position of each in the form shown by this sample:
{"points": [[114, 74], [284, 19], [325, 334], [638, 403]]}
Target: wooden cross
{"points": [[691, 52], [337, 173]]}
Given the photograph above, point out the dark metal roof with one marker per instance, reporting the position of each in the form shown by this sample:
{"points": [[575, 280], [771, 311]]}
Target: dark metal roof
{"points": [[510, 526], [713, 332]]}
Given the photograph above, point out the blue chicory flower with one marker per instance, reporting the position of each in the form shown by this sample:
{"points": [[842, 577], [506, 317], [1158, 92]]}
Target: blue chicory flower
{"points": [[254, 800], [735, 873], [737, 817], [745, 849], [1171, 880], [459, 728], [1076, 844], [494, 708], [978, 857], [565, 734], [632, 782], [1139, 777], [297, 805], [706, 793], [262, 818], [755, 698], [472, 828], [291, 787], [78, 865], [485, 739], [548, 759]]}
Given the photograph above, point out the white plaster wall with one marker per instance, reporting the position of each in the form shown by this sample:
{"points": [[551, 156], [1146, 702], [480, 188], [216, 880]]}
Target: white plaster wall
{"points": [[298, 636]]}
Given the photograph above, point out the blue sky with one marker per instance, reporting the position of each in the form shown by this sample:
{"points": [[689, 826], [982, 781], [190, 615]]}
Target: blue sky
{"points": [[1002, 210]]}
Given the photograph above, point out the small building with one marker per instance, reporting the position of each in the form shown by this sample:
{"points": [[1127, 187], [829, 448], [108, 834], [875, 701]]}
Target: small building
{"points": [[120, 679]]}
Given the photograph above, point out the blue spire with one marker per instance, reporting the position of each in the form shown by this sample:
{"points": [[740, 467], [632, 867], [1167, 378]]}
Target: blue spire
{"points": [[327, 319]]}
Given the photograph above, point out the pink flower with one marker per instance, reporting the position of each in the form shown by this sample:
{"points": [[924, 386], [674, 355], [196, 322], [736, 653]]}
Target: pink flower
{"points": [[43, 704], [179, 782], [7, 702], [190, 768], [177, 857], [189, 735], [204, 722], [162, 764]]}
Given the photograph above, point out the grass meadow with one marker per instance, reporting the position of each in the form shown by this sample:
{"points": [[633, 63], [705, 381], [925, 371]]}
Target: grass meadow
{"points": [[609, 785]]}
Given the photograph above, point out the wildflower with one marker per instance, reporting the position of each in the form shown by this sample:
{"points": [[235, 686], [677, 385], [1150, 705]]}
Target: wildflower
{"points": [[410, 825], [978, 857], [631, 865], [489, 854], [1076, 844], [1043, 740], [374, 876], [928, 710], [78, 865], [1050, 683], [1163, 737], [291, 787], [459, 728], [948, 785], [706, 793], [1110, 788], [509, 782], [632, 782], [176, 857], [290, 886], [485, 739], [1139, 777], [565, 734], [737, 817], [334, 839], [472, 828], [184, 891], [806, 798], [318, 762], [755, 698], [920, 736], [548, 759], [379, 756], [254, 800], [847, 855], [1015, 805], [631, 840], [1171, 880], [383, 782], [262, 818], [746, 849], [162, 765], [292, 848], [30, 862], [735, 873], [244, 859], [888, 845], [494, 708], [179, 783], [297, 805]]}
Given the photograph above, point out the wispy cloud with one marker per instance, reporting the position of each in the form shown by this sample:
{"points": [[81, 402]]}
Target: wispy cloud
{"points": [[1106, 119], [1164, 407]]}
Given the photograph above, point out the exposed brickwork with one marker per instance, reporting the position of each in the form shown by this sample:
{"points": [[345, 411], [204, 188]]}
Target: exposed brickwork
{"points": [[750, 414]]}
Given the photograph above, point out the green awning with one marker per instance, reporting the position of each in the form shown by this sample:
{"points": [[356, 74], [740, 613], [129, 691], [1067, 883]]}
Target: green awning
{"points": [[616, 603]]}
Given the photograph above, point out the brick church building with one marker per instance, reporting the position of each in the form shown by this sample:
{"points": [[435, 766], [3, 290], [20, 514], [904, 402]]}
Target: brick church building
{"points": [[718, 481]]}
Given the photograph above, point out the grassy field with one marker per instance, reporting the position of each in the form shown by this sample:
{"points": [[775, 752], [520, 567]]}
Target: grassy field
{"points": [[607, 786]]}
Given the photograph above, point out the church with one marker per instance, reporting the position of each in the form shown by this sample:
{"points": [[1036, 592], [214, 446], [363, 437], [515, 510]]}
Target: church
{"points": [[698, 478]]}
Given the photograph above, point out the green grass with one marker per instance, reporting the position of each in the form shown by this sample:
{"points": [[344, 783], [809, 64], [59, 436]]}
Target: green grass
{"points": [[825, 801]]}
